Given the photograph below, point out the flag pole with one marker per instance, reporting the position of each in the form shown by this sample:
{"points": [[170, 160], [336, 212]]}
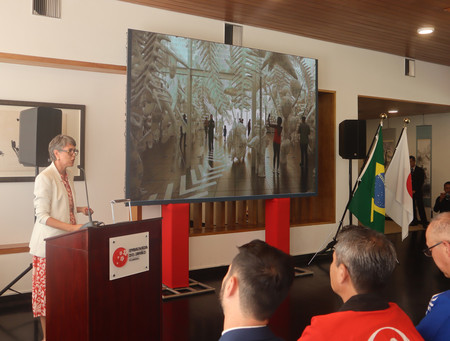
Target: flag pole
{"points": [[331, 244], [396, 200], [406, 121]]}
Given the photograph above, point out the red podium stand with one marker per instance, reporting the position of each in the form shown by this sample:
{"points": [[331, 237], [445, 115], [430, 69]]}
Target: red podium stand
{"points": [[278, 224], [84, 304]]}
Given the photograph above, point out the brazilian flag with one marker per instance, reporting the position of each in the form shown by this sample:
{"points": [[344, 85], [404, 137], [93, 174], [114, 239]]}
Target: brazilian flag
{"points": [[367, 203]]}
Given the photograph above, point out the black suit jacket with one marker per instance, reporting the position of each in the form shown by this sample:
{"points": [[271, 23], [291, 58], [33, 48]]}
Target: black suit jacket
{"points": [[250, 334], [417, 179]]}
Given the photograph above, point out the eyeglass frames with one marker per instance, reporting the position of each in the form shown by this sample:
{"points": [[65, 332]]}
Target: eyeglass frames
{"points": [[70, 151], [427, 251]]}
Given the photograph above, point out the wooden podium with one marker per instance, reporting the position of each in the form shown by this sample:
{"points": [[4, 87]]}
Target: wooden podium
{"points": [[84, 304]]}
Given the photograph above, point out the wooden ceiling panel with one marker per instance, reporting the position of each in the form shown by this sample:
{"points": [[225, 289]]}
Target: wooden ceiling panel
{"points": [[386, 26], [373, 107]]}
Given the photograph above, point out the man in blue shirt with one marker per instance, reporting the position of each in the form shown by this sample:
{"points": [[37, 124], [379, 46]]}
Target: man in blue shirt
{"points": [[435, 326]]}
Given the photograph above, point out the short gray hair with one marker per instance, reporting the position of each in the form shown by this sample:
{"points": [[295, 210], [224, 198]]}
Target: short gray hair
{"points": [[368, 255], [58, 143]]}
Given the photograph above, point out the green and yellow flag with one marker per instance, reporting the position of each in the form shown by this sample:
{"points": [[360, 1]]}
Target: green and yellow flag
{"points": [[367, 203]]}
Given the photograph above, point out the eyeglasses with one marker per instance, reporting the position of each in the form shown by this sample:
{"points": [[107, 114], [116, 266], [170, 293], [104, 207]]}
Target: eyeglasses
{"points": [[427, 251], [70, 151]]}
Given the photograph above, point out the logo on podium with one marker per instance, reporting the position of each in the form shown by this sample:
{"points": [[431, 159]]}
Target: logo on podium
{"points": [[120, 257], [128, 255]]}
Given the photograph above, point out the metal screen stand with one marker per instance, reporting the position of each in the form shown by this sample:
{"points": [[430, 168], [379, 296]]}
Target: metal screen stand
{"points": [[194, 288], [300, 272], [118, 201]]}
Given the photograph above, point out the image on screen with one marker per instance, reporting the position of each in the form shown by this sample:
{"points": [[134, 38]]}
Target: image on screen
{"points": [[213, 122]]}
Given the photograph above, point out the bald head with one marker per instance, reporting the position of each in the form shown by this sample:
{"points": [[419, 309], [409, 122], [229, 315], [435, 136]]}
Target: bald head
{"points": [[438, 239], [440, 225]]}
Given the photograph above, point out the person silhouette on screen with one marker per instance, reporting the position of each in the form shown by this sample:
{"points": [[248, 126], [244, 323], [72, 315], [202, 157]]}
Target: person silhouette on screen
{"points": [[211, 126], [276, 144], [304, 131]]}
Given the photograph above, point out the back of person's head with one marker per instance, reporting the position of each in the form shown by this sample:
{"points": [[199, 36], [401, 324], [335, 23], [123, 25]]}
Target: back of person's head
{"points": [[279, 120], [265, 275], [58, 143], [440, 225], [368, 255]]}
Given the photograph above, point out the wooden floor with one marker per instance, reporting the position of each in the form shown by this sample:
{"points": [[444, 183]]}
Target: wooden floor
{"points": [[199, 317]]}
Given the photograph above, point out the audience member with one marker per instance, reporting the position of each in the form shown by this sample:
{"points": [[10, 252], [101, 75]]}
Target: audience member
{"points": [[363, 261], [417, 179], [258, 280], [442, 203], [435, 326]]}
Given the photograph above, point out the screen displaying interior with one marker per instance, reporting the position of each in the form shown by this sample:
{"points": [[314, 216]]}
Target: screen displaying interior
{"points": [[212, 122]]}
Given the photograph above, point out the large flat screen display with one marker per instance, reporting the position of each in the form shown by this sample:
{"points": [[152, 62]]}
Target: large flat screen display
{"points": [[213, 122]]}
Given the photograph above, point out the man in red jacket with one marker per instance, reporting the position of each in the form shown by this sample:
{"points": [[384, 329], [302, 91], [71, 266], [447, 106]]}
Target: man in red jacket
{"points": [[363, 261]]}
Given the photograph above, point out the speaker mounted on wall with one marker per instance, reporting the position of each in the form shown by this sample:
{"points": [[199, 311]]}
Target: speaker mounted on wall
{"points": [[410, 67], [352, 139], [233, 34], [38, 126]]}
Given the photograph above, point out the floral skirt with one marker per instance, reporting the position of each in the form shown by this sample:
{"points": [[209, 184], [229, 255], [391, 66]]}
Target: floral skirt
{"points": [[38, 288]]}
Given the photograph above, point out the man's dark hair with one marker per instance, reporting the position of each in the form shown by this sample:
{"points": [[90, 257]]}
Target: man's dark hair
{"points": [[411, 157], [368, 255], [265, 275], [447, 183]]}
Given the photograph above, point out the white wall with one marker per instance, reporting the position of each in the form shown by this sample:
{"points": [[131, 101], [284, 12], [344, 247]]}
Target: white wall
{"points": [[95, 31]]}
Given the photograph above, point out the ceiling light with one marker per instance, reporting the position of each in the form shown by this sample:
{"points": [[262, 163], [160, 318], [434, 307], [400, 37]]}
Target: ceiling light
{"points": [[394, 111], [425, 30]]}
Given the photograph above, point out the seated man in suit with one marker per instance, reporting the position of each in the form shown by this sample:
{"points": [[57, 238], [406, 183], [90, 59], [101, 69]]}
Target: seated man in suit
{"points": [[363, 261], [256, 283], [435, 326]]}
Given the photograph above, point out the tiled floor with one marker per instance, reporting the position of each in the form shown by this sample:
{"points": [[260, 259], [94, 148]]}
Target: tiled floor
{"points": [[188, 173], [200, 318]]}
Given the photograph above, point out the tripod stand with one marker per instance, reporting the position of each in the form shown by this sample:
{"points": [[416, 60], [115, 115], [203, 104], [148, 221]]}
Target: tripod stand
{"points": [[23, 273], [8, 287], [352, 192]]}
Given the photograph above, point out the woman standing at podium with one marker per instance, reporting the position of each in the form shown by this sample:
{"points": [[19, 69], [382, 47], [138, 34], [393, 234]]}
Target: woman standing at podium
{"points": [[55, 209]]}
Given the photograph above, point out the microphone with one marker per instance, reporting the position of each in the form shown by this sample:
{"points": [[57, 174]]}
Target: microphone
{"points": [[90, 223]]}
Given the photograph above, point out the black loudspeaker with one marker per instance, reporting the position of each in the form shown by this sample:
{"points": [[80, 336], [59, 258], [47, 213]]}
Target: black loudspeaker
{"points": [[38, 126], [233, 34], [352, 139]]}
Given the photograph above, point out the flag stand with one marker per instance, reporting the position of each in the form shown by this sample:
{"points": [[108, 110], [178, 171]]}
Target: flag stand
{"points": [[350, 182], [333, 242]]}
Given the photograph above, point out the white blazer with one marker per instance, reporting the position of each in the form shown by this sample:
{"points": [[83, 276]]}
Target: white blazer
{"points": [[50, 200]]}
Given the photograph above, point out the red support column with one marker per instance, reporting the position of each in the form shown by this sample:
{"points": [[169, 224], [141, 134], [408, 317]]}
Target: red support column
{"points": [[175, 245], [278, 223]]}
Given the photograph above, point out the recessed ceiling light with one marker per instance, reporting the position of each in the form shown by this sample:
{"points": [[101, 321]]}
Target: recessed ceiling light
{"points": [[425, 30], [393, 111]]}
